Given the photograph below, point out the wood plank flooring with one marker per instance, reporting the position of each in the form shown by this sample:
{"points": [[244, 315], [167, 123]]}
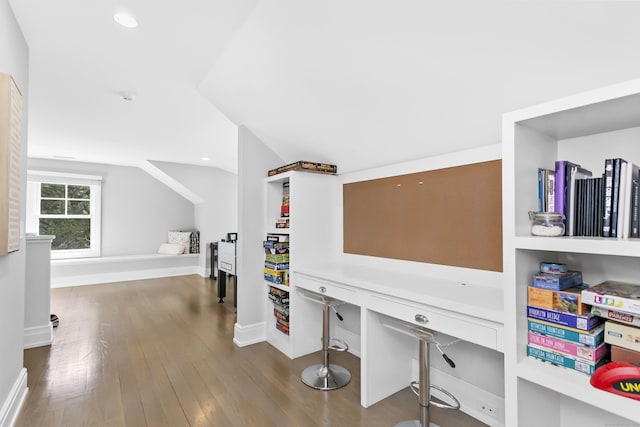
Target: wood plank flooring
{"points": [[160, 353]]}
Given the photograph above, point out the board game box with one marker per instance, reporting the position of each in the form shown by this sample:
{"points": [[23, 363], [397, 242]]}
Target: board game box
{"points": [[590, 354], [614, 295], [582, 323], [567, 301], [592, 338], [557, 282], [559, 359]]}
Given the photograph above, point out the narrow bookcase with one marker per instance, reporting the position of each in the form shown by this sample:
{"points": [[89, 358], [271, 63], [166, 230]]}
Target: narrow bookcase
{"points": [[312, 231], [586, 129]]}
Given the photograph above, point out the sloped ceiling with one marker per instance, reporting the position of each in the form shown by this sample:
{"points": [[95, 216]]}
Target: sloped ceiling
{"points": [[364, 83], [359, 83], [82, 62]]}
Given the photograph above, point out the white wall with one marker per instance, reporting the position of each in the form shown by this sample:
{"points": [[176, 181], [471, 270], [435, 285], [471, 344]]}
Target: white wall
{"points": [[137, 210], [217, 215], [254, 160], [14, 60]]}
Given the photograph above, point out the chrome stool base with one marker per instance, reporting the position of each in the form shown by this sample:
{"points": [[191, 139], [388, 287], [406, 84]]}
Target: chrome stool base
{"points": [[414, 423], [326, 378]]}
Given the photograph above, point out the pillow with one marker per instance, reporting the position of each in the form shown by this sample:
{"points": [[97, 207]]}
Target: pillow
{"points": [[181, 238], [171, 249]]}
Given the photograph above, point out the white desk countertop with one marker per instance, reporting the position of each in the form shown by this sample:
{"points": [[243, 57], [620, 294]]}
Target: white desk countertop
{"points": [[479, 301]]}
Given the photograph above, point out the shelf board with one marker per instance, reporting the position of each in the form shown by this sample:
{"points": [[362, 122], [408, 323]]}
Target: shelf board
{"points": [[587, 245], [275, 285], [576, 385]]}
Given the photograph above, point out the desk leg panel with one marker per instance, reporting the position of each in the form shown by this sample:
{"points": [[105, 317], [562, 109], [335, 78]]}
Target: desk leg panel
{"points": [[386, 359]]}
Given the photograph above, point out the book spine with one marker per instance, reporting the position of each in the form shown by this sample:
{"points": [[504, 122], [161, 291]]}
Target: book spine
{"points": [[563, 360], [608, 194], [541, 190], [560, 190], [615, 198], [574, 321], [551, 186], [592, 339], [582, 352], [635, 218]]}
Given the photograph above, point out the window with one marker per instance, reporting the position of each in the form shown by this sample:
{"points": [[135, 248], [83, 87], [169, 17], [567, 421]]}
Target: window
{"points": [[68, 207]]}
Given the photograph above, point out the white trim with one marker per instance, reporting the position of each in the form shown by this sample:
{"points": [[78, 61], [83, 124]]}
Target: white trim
{"points": [[91, 271], [38, 336], [11, 406], [63, 178], [248, 335]]}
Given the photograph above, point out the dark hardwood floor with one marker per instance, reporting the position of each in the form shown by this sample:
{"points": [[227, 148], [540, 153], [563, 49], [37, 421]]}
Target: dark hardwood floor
{"points": [[160, 353]]}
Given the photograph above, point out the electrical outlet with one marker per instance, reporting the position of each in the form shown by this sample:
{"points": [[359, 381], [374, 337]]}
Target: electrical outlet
{"points": [[489, 410]]}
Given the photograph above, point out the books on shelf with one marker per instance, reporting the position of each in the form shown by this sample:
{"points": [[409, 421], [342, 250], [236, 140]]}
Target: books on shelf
{"points": [[593, 206], [614, 295]]}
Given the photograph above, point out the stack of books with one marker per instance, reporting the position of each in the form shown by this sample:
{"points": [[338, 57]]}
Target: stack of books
{"points": [[606, 205], [280, 301], [618, 303], [561, 328], [284, 208], [276, 262]]}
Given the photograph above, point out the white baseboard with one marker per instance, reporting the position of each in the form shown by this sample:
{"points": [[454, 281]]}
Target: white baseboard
{"points": [[121, 276], [11, 406], [38, 336], [471, 397], [250, 334]]}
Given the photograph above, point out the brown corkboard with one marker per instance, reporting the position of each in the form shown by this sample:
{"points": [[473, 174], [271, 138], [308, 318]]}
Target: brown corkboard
{"points": [[450, 216]]}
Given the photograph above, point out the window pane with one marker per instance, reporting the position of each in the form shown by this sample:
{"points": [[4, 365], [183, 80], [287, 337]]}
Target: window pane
{"points": [[79, 192], [54, 191], [77, 207], [52, 207], [70, 233]]}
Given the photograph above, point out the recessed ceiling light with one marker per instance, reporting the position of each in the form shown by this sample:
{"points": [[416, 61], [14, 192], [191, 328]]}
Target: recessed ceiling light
{"points": [[205, 159], [125, 20]]}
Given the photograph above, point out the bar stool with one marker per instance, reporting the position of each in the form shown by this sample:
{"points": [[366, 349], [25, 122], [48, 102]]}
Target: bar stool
{"points": [[422, 388], [326, 376]]}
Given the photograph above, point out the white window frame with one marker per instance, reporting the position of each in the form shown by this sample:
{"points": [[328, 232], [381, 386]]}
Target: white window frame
{"points": [[36, 178]]}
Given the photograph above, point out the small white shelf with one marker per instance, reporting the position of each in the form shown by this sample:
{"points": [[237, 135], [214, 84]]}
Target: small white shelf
{"points": [[566, 382], [277, 286], [584, 245]]}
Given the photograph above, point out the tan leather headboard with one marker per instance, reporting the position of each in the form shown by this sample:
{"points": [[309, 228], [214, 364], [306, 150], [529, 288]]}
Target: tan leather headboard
{"points": [[450, 216]]}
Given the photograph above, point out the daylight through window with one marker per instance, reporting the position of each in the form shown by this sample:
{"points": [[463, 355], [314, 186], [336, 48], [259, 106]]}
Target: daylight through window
{"points": [[68, 207]]}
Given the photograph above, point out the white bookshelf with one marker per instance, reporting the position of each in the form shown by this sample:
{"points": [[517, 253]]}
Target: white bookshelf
{"points": [[312, 198], [585, 129]]}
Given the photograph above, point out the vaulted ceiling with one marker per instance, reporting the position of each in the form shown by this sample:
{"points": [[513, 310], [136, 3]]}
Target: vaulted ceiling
{"points": [[359, 83]]}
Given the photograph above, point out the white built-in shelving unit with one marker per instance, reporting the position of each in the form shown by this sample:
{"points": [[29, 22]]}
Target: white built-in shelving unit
{"points": [[312, 198], [586, 129]]}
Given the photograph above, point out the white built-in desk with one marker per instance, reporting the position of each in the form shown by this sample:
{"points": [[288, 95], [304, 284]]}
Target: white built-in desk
{"points": [[469, 312]]}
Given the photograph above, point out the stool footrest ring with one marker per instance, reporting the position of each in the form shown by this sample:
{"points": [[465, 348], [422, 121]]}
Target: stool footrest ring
{"points": [[340, 346], [455, 405]]}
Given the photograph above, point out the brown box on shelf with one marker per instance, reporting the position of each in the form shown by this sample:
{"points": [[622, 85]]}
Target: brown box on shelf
{"points": [[566, 301], [621, 354], [305, 166]]}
